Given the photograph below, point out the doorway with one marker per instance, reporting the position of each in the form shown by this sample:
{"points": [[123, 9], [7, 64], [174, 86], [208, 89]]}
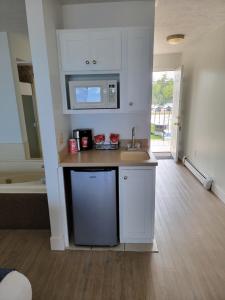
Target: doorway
{"points": [[165, 113], [29, 111]]}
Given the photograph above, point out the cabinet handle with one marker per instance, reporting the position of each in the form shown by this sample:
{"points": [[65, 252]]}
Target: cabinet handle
{"points": [[131, 103], [87, 62], [94, 62], [125, 177]]}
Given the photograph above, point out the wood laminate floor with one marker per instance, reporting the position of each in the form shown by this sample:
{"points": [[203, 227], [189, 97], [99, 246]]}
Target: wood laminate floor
{"points": [[190, 265]]}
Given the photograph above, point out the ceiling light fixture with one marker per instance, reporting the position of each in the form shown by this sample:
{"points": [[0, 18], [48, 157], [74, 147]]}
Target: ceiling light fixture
{"points": [[175, 39]]}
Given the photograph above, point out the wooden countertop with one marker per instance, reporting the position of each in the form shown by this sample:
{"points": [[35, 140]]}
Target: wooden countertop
{"points": [[102, 158]]}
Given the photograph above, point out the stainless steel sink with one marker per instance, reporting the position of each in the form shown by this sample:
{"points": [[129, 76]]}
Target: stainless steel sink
{"points": [[134, 156]]}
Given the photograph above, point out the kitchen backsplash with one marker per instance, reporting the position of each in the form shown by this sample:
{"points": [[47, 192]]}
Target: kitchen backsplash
{"points": [[119, 123]]}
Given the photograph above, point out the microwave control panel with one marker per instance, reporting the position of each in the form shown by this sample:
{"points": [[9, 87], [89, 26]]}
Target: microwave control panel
{"points": [[112, 93]]}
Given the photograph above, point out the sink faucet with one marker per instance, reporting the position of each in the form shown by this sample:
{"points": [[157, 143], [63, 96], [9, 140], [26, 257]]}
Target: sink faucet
{"points": [[133, 137]]}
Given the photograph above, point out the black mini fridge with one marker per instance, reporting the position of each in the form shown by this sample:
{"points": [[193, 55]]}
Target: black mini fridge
{"points": [[95, 206]]}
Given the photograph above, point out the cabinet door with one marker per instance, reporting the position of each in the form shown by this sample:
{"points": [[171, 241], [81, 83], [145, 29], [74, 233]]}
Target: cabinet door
{"points": [[139, 69], [74, 46], [106, 50], [137, 205]]}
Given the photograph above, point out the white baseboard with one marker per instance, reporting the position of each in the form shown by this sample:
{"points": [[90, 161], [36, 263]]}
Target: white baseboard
{"points": [[57, 243], [218, 192]]}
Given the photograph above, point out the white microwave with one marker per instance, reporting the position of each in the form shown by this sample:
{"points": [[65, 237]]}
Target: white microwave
{"points": [[94, 94]]}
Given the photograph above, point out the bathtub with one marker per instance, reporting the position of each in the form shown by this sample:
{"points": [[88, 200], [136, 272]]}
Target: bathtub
{"points": [[22, 183]]}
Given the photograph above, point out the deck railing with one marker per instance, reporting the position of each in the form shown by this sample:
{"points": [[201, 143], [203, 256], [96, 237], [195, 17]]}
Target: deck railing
{"points": [[161, 119]]}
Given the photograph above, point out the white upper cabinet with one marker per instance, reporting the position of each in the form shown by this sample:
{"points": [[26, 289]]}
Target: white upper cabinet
{"points": [[126, 51], [139, 69], [90, 50], [74, 46], [137, 204], [106, 50]]}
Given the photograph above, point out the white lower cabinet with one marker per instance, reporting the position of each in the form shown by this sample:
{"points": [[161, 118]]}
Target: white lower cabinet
{"points": [[137, 204]]}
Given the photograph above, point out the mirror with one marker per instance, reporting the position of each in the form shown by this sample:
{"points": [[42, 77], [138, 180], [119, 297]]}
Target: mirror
{"points": [[20, 143], [19, 126]]}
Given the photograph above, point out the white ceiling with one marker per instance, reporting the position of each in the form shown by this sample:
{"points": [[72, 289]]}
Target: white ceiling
{"points": [[194, 18]]}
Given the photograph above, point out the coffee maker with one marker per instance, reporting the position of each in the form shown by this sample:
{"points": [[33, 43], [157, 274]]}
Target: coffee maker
{"points": [[83, 138]]}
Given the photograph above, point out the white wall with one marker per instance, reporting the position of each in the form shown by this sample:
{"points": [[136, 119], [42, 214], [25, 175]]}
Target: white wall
{"points": [[20, 46], [204, 106], [117, 123], [132, 13], [114, 14], [166, 62], [13, 16]]}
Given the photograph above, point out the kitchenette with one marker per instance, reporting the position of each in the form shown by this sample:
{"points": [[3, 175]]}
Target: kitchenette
{"points": [[101, 180], [109, 181]]}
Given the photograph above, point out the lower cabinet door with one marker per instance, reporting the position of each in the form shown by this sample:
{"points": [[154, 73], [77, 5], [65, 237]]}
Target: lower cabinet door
{"points": [[137, 204]]}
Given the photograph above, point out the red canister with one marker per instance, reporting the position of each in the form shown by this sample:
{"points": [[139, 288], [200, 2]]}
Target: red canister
{"points": [[72, 146]]}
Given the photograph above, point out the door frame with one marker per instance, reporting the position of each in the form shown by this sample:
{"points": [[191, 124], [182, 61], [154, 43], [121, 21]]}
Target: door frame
{"points": [[178, 122]]}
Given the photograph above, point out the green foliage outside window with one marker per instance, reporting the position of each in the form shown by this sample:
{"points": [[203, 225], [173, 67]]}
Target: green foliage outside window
{"points": [[162, 91]]}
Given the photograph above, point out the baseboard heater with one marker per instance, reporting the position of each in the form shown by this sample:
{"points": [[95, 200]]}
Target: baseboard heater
{"points": [[203, 178]]}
